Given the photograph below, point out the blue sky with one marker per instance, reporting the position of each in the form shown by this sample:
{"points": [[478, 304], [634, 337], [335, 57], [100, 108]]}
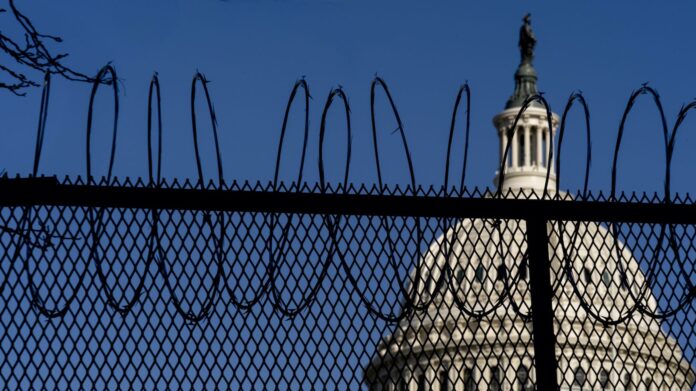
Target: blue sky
{"points": [[253, 51]]}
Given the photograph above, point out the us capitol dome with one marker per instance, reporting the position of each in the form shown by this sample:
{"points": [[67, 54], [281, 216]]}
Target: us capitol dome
{"points": [[443, 348]]}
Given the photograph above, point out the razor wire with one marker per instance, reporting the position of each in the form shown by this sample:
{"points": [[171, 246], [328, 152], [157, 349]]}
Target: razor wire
{"points": [[408, 293], [431, 277]]}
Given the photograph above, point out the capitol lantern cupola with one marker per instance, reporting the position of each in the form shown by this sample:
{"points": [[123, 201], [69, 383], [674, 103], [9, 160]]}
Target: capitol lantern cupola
{"points": [[527, 159]]}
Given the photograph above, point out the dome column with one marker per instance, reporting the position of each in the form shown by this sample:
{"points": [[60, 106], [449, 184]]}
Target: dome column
{"points": [[515, 157], [553, 158], [527, 147], [531, 141], [527, 170], [541, 159], [503, 144]]}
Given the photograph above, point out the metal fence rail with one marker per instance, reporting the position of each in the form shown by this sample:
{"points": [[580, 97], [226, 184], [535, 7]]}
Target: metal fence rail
{"points": [[146, 284], [120, 285]]}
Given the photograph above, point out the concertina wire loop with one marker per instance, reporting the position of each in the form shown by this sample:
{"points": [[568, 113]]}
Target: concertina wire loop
{"points": [[212, 291], [247, 304], [107, 76]]}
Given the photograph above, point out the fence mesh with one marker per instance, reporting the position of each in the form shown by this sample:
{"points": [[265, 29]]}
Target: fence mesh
{"points": [[204, 298]]}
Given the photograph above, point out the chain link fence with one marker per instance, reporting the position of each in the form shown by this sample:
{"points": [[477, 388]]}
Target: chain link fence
{"points": [[125, 286]]}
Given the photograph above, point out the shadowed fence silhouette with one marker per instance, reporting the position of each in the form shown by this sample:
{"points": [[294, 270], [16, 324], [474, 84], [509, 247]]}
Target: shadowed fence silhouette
{"points": [[144, 283]]}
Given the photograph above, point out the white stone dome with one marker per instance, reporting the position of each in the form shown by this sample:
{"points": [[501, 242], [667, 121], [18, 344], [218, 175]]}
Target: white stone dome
{"points": [[486, 253], [449, 348]]}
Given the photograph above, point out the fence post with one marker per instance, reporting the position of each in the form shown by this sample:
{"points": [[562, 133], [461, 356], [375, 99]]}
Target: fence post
{"points": [[542, 308]]}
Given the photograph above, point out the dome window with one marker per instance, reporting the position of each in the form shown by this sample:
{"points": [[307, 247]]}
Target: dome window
{"points": [[603, 378], [459, 278], [523, 378], [606, 278], [628, 383], [469, 380], [496, 378], [422, 386], [579, 377], [480, 273], [648, 384], [444, 381]]}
